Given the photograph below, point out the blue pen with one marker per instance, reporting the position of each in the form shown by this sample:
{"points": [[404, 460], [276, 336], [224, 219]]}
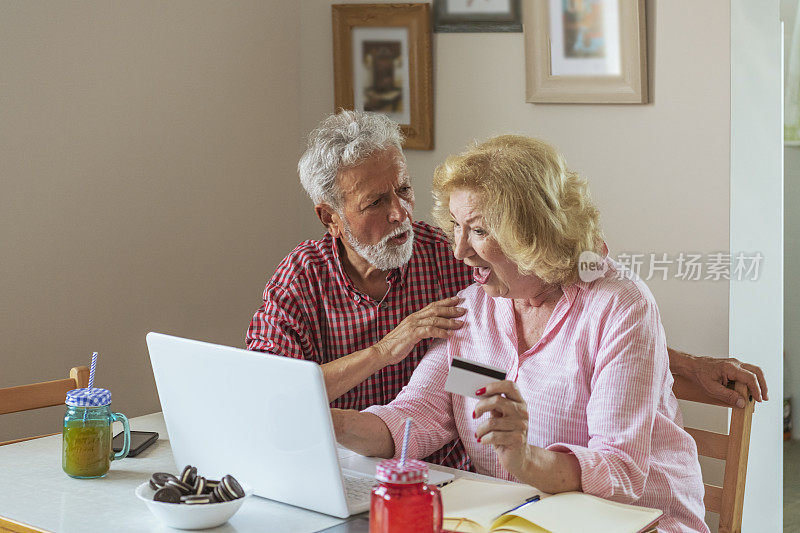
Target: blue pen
{"points": [[532, 499]]}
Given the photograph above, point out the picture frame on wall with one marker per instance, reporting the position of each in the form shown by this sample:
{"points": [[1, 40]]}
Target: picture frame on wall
{"points": [[382, 63], [471, 16], [586, 51]]}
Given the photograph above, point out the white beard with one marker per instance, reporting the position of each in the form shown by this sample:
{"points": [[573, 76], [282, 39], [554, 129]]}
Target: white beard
{"points": [[384, 255]]}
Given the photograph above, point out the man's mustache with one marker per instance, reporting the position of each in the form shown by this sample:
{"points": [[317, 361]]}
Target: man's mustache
{"points": [[402, 229]]}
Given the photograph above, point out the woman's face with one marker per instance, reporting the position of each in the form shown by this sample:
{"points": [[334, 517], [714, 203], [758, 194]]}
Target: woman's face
{"points": [[497, 274]]}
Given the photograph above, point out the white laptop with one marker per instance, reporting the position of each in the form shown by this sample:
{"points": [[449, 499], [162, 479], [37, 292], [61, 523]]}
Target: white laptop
{"points": [[262, 418]]}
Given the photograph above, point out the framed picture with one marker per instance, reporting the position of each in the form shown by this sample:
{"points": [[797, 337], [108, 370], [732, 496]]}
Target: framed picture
{"points": [[469, 16], [585, 51], [382, 63]]}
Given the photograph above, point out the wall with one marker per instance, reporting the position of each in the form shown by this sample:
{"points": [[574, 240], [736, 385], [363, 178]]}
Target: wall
{"points": [[756, 310], [147, 162], [791, 159]]}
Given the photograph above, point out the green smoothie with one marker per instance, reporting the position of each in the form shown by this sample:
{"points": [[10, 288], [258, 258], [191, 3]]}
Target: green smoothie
{"points": [[86, 448]]}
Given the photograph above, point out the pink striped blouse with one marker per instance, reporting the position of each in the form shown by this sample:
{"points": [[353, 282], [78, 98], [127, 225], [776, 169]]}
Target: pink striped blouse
{"points": [[597, 385]]}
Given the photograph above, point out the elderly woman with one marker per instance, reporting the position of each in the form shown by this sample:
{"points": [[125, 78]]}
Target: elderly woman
{"points": [[588, 404]]}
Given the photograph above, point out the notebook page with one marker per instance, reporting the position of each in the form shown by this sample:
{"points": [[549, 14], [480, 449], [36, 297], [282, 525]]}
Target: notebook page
{"points": [[516, 524], [577, 512], [461, 526], [482, 501]]}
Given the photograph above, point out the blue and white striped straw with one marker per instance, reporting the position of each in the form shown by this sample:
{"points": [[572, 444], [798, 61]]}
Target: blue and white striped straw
{"points": [[91, 379], [91, 369], [405, 442]]}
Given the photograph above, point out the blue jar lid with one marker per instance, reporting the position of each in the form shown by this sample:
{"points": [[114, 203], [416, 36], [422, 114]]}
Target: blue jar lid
{"points": [[88, 397]]}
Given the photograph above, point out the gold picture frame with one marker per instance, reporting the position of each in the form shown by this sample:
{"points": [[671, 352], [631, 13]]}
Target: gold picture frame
{"points": [[382, 62], [585, 51]]}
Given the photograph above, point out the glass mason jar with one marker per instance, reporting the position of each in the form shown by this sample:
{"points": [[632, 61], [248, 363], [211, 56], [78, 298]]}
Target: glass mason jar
{"points": [[403, 501], [86, 439]]}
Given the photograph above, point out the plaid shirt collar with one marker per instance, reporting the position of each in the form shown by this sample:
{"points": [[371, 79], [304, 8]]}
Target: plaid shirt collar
{"points": [[396, 276]]}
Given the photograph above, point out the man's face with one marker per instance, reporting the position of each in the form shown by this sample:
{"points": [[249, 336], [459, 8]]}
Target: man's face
{"points": [[376, 211]]}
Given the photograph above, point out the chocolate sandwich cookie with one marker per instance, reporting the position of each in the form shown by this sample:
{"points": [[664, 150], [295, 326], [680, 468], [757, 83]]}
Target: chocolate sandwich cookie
{"points": [[220, 494], [199, 485], [159, 479], [189, 475], [167, 495], [194, 499], [180, 486], [211, 484], [232, 487]]}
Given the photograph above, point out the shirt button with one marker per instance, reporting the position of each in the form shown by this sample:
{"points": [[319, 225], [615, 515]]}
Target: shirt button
{"points": [[358, 298], [384, 305]]}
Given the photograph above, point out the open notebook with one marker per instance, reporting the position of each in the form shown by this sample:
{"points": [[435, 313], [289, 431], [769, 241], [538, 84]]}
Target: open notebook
{"points": [[478, 506]]}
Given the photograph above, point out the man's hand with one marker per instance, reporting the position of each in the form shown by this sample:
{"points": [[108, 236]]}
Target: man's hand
{"points": [[437, 319], [714, 374]]}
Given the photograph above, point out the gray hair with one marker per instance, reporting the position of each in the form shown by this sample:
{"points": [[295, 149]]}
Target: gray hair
{"points": [[343, 140]]}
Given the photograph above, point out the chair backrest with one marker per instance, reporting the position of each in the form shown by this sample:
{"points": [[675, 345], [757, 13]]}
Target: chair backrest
{"points": [[733, 448], [43, 394]]}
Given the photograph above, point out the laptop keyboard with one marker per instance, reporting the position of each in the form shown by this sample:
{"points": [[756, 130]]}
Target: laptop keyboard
{"points": [[357, 489]]}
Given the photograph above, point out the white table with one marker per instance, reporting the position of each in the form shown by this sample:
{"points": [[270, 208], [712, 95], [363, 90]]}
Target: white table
{"points": [[34, 491]]}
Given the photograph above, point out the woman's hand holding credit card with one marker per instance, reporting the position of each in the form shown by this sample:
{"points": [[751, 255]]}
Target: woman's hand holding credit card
{"points": [[466, 377]]}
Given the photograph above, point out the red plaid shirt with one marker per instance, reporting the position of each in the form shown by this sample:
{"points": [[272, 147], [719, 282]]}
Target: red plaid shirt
{"points": [[313, 311]]}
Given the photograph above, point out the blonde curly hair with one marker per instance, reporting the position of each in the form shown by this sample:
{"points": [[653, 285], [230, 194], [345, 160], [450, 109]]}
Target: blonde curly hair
{"points": [[538, 211]]}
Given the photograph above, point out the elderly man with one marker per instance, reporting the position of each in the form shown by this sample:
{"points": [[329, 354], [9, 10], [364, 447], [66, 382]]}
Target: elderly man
{"points": [[367, 300]]}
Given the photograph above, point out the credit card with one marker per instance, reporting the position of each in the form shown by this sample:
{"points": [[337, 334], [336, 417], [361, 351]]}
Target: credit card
{"points": [[465, 376]]}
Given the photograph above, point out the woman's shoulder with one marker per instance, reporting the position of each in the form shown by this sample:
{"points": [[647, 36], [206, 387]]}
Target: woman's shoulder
{"points": [[619, 287], [484, 308], [475, 296]]}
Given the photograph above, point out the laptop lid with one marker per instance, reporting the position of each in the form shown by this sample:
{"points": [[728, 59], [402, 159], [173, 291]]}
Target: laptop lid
{"points": [[262, 418]]}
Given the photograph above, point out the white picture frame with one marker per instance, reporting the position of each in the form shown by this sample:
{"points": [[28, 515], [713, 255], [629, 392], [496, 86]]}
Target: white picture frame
{"points": [[585, 51]]}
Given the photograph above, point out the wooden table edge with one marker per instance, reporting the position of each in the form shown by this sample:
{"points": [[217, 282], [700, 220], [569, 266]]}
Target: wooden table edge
{"points": [[6, 524]]}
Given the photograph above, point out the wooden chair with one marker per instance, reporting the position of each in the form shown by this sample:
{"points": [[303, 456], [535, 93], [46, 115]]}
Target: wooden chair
{"points": [[733, 448], [43, 394]]}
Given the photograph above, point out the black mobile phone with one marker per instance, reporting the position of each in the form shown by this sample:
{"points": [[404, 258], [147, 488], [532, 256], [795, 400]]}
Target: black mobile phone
{"points": [[139, 441]]}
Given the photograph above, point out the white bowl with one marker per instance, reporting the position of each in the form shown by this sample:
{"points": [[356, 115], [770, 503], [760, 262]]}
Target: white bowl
{"points": [[184, 516]]}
